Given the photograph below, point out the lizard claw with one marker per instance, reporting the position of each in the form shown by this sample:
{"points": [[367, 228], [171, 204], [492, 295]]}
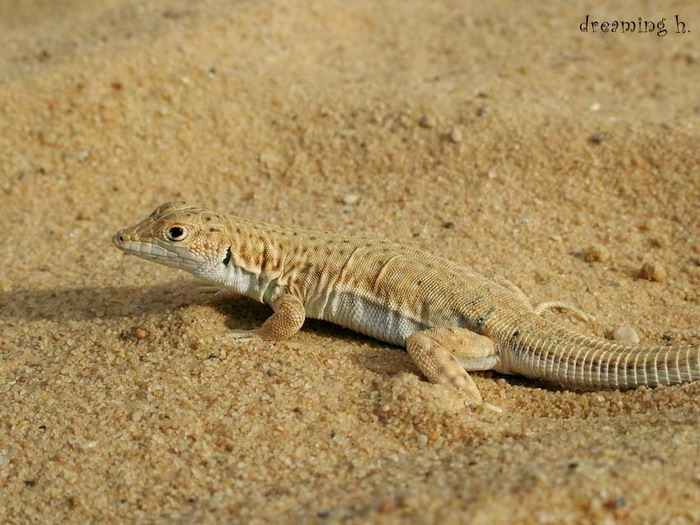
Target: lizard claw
{"points": [[488, 406], [241, 336]]}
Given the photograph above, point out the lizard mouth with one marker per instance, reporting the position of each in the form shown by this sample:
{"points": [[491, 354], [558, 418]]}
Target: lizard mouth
{"points": [[175, 256]]}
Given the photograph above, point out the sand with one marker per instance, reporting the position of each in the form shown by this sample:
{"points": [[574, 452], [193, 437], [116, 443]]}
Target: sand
{"points": [[501, 136]]}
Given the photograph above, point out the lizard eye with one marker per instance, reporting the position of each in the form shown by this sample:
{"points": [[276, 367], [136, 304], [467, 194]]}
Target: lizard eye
{"points": [[176, 233]]}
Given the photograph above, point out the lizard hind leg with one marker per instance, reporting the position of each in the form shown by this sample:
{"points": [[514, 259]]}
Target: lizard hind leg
{"points": [[547, 305], [514, 289], [442, 354]]}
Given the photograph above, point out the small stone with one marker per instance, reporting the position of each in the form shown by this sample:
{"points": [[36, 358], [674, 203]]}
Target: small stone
{"points": [[351, 199], [456, 135], [140, 333], [386, 505], [422, 439], [653, 271], [659, 242], [616, 503], [596, 138], [597, 253], [426, 121], [625, 334]]}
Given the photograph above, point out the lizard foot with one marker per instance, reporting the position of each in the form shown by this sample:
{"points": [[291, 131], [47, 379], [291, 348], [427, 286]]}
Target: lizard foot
{"points": [[547, 305], [560, 305], [445, 354]]}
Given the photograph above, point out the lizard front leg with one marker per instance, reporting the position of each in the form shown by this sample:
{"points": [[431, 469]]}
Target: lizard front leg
{"points": [[286, 320], [442, 354]]}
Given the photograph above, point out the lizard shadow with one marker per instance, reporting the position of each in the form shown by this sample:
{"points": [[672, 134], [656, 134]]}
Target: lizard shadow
{"points": [[382, 358], [248, 314], [365, 351], [63, 304], [36, 307], [89, 302], [115, 302]]}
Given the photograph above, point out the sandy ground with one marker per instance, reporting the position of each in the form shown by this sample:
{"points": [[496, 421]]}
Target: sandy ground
{"points": [[498, 136]]}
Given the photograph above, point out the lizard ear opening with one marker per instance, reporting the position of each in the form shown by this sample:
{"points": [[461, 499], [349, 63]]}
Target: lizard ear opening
{"points": [[227, 259]]}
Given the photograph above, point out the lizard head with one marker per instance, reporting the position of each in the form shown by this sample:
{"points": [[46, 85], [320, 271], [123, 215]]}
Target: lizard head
{"points": [[180, 236]]}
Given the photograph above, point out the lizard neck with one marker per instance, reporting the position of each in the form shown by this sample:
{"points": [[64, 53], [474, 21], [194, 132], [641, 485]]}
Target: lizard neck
{"points": [[254, 261]]}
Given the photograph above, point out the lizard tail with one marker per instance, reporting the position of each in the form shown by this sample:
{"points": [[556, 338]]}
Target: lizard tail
{"points": [[579, 361]]}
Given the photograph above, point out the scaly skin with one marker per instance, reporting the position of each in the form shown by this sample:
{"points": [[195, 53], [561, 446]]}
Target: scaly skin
{"points": [[448, 317]]}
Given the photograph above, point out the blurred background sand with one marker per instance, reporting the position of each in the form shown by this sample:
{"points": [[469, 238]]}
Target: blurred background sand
{"points": [[500, 136]]}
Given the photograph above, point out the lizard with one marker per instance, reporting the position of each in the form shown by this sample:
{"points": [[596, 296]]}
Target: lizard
{"points": [[451, 319]]}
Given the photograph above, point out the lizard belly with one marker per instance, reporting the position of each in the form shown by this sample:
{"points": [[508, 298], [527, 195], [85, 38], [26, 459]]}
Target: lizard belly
{"points": [[365, 316]]}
